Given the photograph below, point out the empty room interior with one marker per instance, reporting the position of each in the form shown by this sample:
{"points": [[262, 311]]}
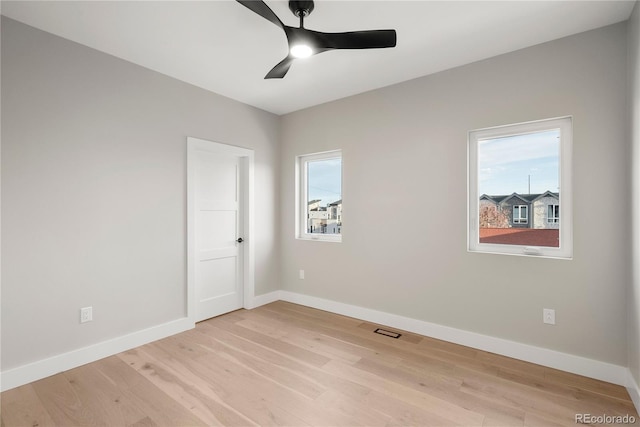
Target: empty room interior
{"points": [[433, 219]]}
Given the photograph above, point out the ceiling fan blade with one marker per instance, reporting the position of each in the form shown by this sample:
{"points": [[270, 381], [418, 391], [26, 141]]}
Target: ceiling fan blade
{"points": [[280, 70], [371, 39], [259, 7]]}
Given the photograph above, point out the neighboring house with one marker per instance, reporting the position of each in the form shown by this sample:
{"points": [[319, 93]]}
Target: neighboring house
{"points": [[314, 205], [326, 220], [525, 210], [335, 211], [546, 211]]}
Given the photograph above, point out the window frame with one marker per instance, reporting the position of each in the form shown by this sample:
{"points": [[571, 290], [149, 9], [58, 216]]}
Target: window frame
{"points": [[554, 218], [302, 196], [474, 137], [520, 220]]}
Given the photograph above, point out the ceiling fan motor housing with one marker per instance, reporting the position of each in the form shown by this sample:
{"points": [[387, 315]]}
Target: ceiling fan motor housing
{"points": [[301, 7]]}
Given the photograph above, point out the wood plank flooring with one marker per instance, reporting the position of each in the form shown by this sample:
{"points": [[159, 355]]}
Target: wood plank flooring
{"points": [[285, 364]]}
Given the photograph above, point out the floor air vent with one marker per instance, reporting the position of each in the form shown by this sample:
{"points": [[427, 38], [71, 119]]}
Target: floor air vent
{"points": [[387, 333]]}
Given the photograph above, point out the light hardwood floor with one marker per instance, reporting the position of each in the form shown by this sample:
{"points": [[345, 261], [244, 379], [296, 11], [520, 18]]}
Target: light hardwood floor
{"points": [[284, 364]]}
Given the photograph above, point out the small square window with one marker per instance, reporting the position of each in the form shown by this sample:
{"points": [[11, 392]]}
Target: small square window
{"points": [[319, 196]]}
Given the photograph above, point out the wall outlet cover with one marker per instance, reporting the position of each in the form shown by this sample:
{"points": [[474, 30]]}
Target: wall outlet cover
{"points": [[549, 316], [86, 314]]}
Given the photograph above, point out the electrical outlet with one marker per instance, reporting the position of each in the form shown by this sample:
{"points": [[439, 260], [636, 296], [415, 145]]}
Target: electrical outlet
{"points": [[301, 274], [86, 314], [549, 316]]}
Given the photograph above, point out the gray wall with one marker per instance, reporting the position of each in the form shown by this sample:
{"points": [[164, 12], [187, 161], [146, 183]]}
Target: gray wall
{"points": [[93, 186], [634, 114], [94, 192], [405, 198]]}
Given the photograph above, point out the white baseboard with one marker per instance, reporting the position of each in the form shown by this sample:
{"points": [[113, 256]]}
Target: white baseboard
{"points": [[44, 368], [263, 299], [554, 359], [566, 362]]}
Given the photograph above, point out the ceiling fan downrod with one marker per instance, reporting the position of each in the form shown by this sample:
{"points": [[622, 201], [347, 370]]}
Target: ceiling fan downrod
{"points": [[301, 9]]}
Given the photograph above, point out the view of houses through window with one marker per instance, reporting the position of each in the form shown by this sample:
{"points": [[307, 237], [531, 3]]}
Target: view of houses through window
{"points": [[324, 219], [324, 192], [324, 195], [518, 183]]}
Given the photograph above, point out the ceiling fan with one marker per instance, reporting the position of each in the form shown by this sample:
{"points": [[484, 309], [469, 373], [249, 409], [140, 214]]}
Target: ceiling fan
{"points": [[304, 43]]}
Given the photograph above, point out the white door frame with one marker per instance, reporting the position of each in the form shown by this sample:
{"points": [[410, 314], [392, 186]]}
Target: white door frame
{"points": [[247, 247]]}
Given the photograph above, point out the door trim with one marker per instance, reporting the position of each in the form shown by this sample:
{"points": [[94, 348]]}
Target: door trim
{"points": [[248, 249]]}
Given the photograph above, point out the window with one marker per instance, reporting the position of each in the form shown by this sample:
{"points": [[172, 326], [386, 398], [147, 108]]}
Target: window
{"points": [[553, 214], [520, 214], [319, 196], [519, 176]]}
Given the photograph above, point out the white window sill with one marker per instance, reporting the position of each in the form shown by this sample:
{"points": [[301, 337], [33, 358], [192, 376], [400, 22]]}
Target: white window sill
{"points": [[321, 239]]}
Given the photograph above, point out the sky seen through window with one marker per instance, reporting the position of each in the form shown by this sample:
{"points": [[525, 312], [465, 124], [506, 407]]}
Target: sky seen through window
{"points": [[523, 164], [325, 180]]}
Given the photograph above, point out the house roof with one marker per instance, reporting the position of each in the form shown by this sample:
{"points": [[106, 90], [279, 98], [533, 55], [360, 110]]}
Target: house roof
{"points": [[494, 199], [529, 198], [547, 194]]}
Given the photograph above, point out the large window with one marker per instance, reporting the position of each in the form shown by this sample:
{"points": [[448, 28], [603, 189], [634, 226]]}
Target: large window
{"points": [[319, 196], [519, 176]]}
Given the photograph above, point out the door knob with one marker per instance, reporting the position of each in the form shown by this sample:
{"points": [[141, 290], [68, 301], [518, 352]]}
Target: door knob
{"points": [[240, 240]]}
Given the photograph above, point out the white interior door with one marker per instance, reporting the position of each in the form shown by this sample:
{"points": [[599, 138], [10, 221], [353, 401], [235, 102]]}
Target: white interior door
{"points": [[217, 227]]}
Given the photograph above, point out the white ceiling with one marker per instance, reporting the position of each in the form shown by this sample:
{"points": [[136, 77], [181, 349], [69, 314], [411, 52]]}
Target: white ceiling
{"points": [[224, 47]]}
